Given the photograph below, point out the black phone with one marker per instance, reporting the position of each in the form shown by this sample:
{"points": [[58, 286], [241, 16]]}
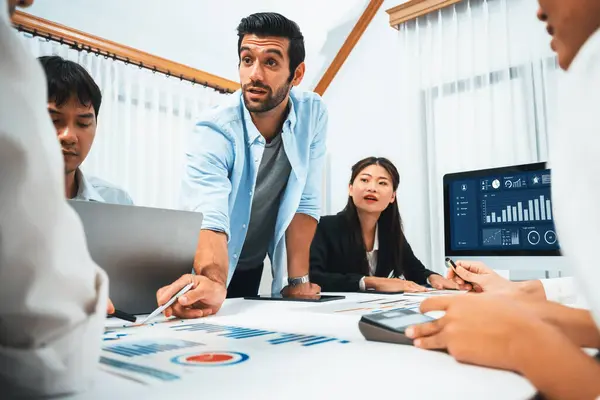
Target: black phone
{"points": [[390, 326], [320, 298]]}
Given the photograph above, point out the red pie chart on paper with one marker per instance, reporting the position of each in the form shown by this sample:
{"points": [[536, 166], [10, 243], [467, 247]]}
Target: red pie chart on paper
{"points": [[211, 359]]}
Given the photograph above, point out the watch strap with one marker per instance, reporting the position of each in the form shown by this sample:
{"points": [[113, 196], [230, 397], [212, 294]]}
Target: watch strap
{"points": [[299, 280]]}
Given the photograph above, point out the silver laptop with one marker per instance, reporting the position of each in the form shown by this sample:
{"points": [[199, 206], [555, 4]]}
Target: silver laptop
{"points": [[141, 249]]}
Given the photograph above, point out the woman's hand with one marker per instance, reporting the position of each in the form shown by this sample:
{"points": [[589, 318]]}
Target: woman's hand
{"points": [[439, 282], [392, 285]]}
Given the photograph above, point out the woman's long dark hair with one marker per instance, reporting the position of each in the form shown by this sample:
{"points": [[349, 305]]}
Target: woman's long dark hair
{"points": [[390, 233]]}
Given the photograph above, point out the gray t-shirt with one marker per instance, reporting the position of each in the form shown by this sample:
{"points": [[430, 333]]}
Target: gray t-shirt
{"points": [[273, 174]]}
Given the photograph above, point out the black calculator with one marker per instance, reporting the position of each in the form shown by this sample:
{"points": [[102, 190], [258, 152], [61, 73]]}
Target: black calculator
{"points": [[389, 326]]}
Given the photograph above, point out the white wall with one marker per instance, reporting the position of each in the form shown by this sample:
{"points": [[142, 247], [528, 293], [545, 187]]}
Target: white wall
{"points": [[363, 108], [202, 34]]}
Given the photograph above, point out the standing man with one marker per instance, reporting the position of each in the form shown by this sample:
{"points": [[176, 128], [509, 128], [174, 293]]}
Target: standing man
{"points": [[254, 168]]}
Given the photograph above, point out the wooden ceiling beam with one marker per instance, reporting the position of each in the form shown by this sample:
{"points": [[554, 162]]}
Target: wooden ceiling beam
{"points": [[356, 33]]}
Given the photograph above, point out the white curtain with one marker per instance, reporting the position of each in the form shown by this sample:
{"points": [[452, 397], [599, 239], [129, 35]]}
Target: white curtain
{"points": [[480, 82], [143, 123]]}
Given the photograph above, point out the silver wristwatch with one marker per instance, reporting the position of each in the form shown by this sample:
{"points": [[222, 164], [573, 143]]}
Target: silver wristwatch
{"points": [[298, 281]]}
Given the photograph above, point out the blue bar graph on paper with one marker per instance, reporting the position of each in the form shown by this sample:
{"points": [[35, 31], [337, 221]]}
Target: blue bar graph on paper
{"points": [[319, 342], [249, 334], [311, 338], [140, 369], [276, 338], [287, 338], [148, 347]]}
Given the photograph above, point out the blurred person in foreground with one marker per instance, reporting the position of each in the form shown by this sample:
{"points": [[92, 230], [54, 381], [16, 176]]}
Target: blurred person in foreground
{"points": [[53, 297], [539, 339]]}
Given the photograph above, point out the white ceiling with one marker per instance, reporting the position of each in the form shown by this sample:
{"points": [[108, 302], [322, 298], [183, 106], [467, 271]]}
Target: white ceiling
{"points": [[202, 34]]}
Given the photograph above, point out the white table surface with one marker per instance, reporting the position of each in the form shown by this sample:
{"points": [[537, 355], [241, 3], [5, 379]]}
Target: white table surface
{"points": [[360, 368]]}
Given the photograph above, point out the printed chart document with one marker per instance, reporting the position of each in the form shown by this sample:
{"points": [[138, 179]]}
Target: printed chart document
{"points": [[369, 305], [167, 351], [378, 303], [180, 356], [436, 292]]}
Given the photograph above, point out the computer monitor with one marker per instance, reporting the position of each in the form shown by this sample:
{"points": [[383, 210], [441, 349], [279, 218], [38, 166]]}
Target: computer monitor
{"points": [[503, 217]]}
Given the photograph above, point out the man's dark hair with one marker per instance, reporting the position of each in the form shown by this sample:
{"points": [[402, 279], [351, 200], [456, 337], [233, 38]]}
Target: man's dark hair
{"points": [[67, 79], [273, 24]]}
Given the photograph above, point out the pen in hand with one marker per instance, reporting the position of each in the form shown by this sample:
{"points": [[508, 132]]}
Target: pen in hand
{"points": [[451, 265], [160, 309]]}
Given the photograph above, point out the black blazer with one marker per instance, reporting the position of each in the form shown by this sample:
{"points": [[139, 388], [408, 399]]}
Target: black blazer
{"points": [[337, 265]]}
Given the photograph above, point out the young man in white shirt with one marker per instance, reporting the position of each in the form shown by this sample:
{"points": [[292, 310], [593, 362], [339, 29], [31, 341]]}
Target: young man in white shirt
{"points": [[541, 340], [52, 295], [74, 101]]}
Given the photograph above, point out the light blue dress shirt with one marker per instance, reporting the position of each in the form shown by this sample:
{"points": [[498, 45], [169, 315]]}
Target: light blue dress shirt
{"points": [[222, 161], [91, 188]]}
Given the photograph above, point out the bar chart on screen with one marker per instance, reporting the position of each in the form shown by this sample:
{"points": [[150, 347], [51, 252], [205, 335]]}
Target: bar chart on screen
{"points": [[497, 210]]}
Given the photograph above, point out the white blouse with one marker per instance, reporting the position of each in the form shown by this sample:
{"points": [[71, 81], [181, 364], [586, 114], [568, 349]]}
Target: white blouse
{"points": [[574, 150], [372, 255]]}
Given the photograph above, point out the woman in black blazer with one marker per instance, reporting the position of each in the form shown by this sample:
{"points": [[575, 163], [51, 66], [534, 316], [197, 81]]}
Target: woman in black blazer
{"points": [[363, 247]]}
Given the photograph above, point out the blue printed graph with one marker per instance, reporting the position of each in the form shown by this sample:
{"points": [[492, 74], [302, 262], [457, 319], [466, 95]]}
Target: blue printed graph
{"points": [[235, 332], [139, 369], [148, 347]]}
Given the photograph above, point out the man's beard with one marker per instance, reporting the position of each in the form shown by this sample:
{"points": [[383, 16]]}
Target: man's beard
{"points": [[271, 101]]}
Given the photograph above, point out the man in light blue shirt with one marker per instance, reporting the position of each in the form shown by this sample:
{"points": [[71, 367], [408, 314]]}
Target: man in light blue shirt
{"points": [[254, 168], [74, 103]]}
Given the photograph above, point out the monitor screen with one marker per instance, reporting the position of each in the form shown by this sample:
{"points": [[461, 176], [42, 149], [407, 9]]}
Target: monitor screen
{"points": [[501, 211]]}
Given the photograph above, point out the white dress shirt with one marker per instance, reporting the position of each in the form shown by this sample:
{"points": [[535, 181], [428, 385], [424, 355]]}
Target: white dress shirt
{"points": [[90, 188], [52, 296], [574, 159], [372, 255], [371, 259]]}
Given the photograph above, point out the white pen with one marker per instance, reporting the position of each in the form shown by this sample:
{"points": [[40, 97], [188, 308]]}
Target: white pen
{"points": [[168, 303]]}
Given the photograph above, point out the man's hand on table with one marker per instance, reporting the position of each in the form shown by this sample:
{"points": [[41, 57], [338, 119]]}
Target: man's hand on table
{"points": [[204, 298], [305, 290]]}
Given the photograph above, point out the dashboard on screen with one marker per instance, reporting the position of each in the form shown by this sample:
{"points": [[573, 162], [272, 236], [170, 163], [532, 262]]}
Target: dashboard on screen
{"points": [[500, 211]]}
